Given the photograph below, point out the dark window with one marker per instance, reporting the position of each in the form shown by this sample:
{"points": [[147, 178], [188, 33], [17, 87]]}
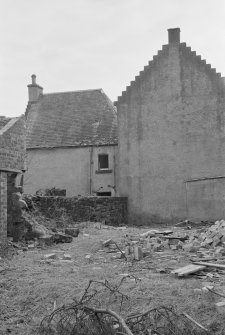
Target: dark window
{"points": [[103, 162], [104, 194]]}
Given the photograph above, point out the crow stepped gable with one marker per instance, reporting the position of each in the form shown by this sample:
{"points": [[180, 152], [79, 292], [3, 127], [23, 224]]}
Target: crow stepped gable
{"points": [[171, 134]]}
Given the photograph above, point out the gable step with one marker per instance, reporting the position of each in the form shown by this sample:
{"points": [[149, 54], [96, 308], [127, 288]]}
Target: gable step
{"points": [[198, 58], [165, 47], [159, 53], [188, 49]]}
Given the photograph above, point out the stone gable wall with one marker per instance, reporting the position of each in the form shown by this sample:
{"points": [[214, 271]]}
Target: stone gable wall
{"points": [[171, 122]]}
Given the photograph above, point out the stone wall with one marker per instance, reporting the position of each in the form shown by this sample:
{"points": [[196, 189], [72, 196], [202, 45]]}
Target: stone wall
{"points": [[3, 210], [111, 210], [12, 145]]}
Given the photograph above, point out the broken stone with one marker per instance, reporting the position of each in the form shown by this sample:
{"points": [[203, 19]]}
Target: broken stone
{"points": [[107, 242], [157, 247], [98, 225], [173, 242], [47, 240], [151, 232], [62, 238], [50, 256], [220, 306], [138, 254], [197, 290], [72, 231], [127, 251], [67, 257], [174, 247]]}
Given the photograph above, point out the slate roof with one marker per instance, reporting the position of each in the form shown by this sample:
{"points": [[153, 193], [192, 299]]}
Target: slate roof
{"points": [[3, 121], [78, 118]]}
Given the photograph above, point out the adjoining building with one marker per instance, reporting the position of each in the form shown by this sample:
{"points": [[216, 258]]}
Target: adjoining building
{"points": [[71, 142], [12, 164], [171, 136]]}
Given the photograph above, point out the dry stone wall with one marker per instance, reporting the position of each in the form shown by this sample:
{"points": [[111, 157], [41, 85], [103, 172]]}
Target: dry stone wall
{"points": [[111, 210]]}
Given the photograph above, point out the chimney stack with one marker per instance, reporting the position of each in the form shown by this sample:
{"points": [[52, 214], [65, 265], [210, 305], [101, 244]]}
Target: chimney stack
{"points": [[34, 90], [174, 35]]}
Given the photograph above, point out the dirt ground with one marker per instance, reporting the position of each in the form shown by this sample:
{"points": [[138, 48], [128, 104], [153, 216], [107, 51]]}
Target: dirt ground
{"points": [[31, 287]]}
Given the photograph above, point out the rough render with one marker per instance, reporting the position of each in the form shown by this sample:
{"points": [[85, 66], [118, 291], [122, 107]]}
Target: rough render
{"points": [[171, 129], [73, 169]]}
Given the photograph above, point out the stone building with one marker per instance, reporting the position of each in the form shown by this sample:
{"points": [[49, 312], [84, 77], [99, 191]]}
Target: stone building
{"points": [[171, 131], [71, 142], [12, 164]]}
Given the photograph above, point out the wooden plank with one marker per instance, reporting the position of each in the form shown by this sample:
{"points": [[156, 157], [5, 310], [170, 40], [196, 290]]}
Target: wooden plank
{"points": [[181, 238], [213, 265], [186, 270]]}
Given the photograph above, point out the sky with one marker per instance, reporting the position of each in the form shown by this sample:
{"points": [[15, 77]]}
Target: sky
{"points": [[85, 44]]}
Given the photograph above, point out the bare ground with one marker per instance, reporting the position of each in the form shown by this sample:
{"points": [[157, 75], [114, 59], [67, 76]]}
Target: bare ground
{"points": [[30, 287]]}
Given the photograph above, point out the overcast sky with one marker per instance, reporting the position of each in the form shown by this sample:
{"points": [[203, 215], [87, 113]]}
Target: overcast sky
{"points": [[84, 44]]}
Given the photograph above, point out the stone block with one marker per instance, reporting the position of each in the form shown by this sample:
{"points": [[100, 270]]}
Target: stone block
{"points": [[138, 254], [106, 243], [50, 256], [67, 257], [72, 231], [62, 238], [47, 240]]}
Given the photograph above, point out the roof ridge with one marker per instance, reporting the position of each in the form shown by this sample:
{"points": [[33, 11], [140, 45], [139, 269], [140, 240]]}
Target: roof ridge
{"points": [[77, 91]]}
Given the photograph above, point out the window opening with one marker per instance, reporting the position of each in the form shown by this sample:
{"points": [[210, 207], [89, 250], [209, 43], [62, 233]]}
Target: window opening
{"points": [[103, 162]]}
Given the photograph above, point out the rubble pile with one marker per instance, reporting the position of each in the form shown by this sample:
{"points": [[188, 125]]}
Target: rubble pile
{"points": [[202, 241], [212, 237]]}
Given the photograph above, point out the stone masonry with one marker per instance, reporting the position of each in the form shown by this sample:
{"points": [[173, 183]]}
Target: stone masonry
{"points": [[111, 210], [3, 210], [12, 163]]}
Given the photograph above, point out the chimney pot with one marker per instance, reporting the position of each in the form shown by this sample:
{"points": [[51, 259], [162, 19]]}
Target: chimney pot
{"points": [[33, 77], [174, 35]]}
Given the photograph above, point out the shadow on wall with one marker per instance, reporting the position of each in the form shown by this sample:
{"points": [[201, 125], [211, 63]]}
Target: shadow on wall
{"points": [[146, 219]]}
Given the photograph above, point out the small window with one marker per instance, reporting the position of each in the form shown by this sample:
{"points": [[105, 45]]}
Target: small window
{"points": [[103, 162]]}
